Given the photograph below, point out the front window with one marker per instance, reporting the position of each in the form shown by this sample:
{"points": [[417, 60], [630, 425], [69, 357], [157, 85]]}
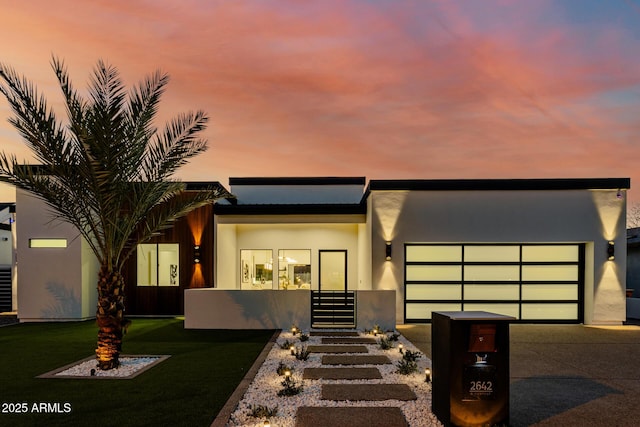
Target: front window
{"points": [[256, 269], [158, 264], [294, 269]]}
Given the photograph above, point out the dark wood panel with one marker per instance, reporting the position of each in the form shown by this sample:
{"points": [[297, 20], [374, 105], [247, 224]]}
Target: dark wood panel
{"points": [[195, 228]]}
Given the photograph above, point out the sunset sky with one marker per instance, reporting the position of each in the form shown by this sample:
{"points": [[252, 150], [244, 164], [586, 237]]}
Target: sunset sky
{"points": [[382, 89]]}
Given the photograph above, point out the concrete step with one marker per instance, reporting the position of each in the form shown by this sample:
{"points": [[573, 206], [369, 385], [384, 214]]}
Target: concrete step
{"points": [[341, 374], [367, 392], [337, 349], [354, 416]]}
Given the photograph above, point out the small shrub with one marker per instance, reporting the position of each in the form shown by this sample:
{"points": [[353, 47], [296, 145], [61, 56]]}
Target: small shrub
{"points": [[411, 356], [282, 368], [385, 343], [262, 411], [286, 345], [406, 367], [394, 337], [304, 337], [408, 363], [289, 387], [302, 353]]}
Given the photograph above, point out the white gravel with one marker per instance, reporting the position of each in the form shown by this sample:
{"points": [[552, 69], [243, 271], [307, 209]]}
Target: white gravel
{"points": [[128, 367], [263, 390]]}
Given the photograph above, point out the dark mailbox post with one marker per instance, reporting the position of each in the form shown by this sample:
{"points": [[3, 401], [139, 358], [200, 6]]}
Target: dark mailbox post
{"points": [[470, 367]]}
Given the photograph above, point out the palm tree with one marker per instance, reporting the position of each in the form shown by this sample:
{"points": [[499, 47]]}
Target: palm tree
{"points": [[107, 171]]}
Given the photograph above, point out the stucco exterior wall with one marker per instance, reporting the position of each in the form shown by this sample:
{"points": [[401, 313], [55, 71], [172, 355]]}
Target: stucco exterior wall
{"points": [[579, 216], [53, 283], [236, 309]]}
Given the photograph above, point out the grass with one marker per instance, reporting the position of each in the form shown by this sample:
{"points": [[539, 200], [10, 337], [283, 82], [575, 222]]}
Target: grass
{"points": [[188, 389]]}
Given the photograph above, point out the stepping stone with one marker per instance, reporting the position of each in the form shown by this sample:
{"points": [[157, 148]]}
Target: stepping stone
{"points": [[367, 392], [349, 340], [333, 334], [354, 416], [341, 374], [356, 360], [337, 349]]}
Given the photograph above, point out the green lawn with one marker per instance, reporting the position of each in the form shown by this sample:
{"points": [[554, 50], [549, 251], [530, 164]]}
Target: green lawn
{"points": [[188, 389]]}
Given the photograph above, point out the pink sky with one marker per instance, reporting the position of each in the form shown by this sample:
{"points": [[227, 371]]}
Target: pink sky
{"points": [[382, 89]]}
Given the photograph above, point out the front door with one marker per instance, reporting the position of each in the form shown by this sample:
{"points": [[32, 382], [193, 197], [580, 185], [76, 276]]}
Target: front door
{"points": [[333, 270]]}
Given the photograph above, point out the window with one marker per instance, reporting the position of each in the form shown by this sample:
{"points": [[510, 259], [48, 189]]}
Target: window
{"points": [[256, 269], [47, 243], [158, 264], [294, 269]]}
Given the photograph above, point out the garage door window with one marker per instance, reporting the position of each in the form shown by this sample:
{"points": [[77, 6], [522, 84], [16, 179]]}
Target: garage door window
{"points": [[532, 282]]}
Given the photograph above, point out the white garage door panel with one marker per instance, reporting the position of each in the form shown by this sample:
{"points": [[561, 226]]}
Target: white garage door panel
{"points": [[531, 282]]}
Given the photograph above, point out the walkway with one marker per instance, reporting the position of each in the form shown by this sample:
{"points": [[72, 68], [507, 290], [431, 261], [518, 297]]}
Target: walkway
{"points": [[348, 380], [352, 369]]}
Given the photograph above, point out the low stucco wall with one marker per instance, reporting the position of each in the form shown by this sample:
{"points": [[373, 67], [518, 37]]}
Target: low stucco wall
{"points": [[236, 309], [271, 309], [376, 308]]}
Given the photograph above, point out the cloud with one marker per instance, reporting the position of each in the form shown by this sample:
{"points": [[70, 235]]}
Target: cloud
{"points": [[407, 89]]}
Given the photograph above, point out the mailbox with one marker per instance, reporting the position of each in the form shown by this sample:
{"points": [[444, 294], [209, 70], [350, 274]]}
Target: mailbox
{"points": [[470, 368]]}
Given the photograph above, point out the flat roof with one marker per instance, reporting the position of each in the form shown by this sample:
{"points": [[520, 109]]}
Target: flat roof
{"points": [[500, 184], [326, 180], [291, 209]]}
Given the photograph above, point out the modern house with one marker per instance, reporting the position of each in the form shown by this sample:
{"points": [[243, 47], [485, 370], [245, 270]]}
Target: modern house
{"points": [[344, 251]]}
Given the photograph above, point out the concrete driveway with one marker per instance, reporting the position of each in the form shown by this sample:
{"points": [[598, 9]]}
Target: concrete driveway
{"points": [[567, 375]]}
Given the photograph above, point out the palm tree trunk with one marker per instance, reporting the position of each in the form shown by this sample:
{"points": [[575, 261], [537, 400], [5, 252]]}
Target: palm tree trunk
{"points": [[110, 318]]}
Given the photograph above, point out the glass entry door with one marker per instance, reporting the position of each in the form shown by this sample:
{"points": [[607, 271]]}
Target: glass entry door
{"points": [[333, 270]]}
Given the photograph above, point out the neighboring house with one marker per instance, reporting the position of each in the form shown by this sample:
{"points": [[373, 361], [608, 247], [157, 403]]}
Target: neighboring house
{"points": [[390, 251], [633, 260], [7, 257], [633, 273]]}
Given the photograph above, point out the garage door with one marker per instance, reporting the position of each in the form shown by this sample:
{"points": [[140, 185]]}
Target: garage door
{"points": [[531, 282]]}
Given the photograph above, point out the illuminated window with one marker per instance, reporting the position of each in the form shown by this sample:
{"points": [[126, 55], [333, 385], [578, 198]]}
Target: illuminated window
{"points": [[256, 269], [158, 264], [294, 269], [47, 243]]}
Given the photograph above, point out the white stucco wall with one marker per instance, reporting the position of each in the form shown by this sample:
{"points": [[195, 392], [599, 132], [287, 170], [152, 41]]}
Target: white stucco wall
{"points": [[579, 216], [236, 309], [53, 283]]}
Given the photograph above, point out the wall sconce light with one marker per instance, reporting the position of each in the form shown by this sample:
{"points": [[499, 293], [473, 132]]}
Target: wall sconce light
{"points": [[387, 251], [196, 254], [611, 250]]}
